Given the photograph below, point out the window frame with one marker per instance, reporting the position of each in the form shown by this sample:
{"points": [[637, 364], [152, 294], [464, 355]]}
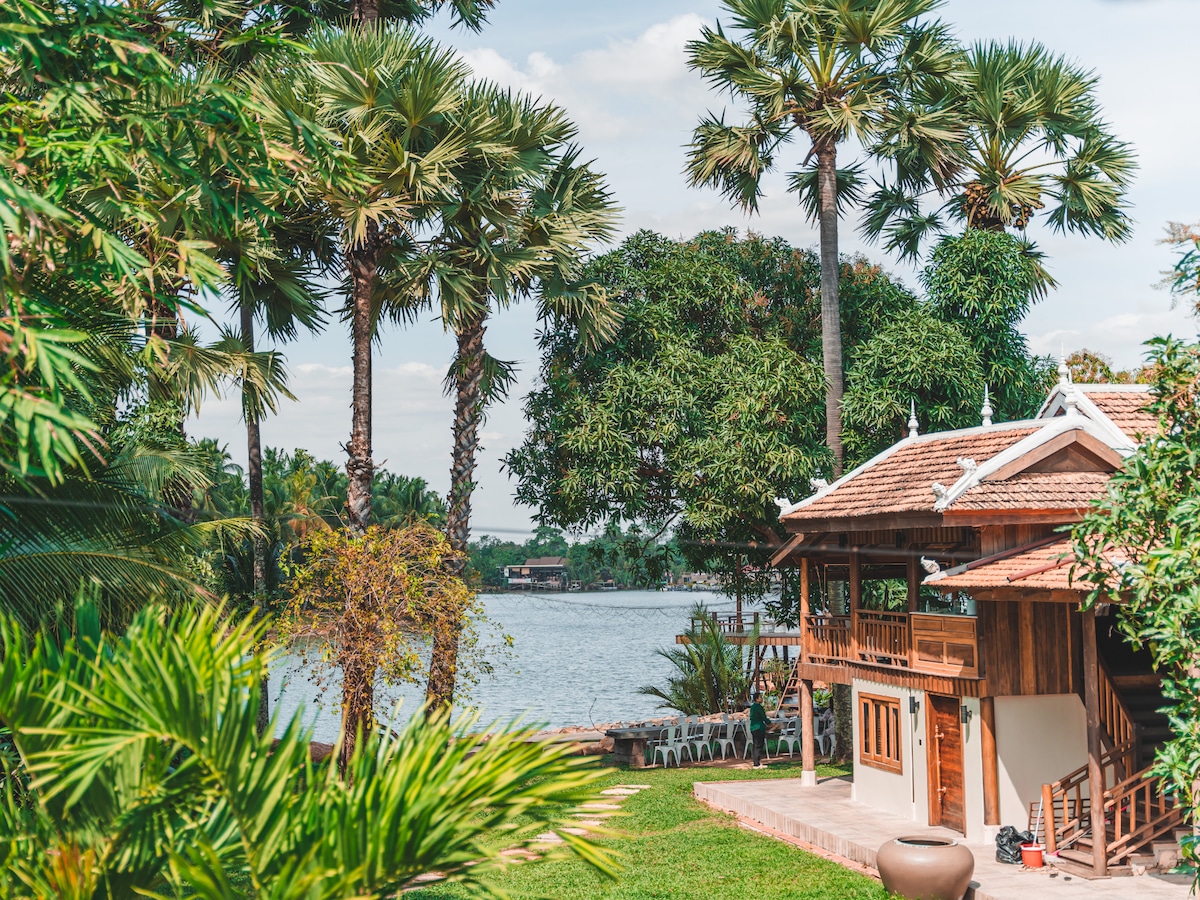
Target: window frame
{"points": [[875, 710]]}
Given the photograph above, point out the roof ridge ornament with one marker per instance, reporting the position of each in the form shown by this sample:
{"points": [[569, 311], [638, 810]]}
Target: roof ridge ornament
{"points": [[968, 465], [987, 410], [818, 484], [1064, 371], [913, 426], [930, 565], [939, 490]]}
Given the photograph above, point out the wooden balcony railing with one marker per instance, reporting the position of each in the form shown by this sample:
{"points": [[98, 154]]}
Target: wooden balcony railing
{"points": [[941, 645], [882, 637], [827, 639], [1115, 717]]}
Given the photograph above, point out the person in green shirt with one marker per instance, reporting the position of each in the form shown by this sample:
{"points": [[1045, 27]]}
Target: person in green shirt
{"points": [[758, 730]]}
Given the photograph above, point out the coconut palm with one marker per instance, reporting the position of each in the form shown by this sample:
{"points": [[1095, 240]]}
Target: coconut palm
{"points": [[832, 71], [389, 96], [138, 772], [514, 223], [1034, 140]]}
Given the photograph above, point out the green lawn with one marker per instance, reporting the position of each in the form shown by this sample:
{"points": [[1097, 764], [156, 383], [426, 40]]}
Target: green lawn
{"points": [[672, 846]]}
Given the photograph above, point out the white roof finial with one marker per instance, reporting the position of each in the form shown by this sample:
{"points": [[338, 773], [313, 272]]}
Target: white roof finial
{"points": [[1064, 371], [913, 429], [986, 412]]}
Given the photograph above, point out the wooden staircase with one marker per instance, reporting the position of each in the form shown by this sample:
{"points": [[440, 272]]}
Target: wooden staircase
{"points": [[1138, 815]]}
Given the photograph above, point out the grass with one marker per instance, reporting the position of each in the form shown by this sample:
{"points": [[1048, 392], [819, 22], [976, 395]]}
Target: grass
{"points": [[673, 846]]}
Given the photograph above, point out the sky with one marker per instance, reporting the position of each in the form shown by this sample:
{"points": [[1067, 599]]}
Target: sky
{"points": [[618, 69]]}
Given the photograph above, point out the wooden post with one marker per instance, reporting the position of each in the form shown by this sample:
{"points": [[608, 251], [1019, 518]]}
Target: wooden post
{"points": [[802, 656], [855, 599], [991, 768], [913, 567], [808, 738], [914, 582], [1091, 702], [1049, 818]]}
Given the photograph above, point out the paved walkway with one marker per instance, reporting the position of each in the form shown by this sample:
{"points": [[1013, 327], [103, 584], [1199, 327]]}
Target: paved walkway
{"points": [[826, 817]]}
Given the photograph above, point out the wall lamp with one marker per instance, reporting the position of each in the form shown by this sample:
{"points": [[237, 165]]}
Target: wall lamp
{"points": [[913, 704], [965, 713]]}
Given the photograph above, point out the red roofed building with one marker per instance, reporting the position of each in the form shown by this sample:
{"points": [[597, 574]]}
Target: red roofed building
{"points": [[985, 692]]}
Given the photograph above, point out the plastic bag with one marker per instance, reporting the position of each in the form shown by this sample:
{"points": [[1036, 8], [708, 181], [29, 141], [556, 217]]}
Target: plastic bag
{"points": [[1008, 844]]}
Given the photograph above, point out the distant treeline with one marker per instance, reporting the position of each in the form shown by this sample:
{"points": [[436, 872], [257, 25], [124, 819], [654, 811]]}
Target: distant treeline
{"points": [[627, 558]]}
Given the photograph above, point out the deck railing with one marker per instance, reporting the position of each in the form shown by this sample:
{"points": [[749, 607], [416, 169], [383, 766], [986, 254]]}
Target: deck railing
{"points": [[827, 638], [942, 645], [882, 637]]}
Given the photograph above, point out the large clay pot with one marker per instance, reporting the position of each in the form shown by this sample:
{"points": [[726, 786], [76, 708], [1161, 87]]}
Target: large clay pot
{"points": [[925, 868]]}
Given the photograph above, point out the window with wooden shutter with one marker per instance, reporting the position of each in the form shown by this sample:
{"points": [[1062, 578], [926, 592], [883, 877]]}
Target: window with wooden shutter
{"points": [[879, 732]]}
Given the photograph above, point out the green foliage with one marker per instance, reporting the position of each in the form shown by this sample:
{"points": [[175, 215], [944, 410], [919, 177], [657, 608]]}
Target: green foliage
{"points": [[1140, 548], [1033, 138], [138, 769], [1184, 278], [914, 358], [301, 495], [126, 159], [711, 674], [986, 282], [707, 404], [831, 71]]}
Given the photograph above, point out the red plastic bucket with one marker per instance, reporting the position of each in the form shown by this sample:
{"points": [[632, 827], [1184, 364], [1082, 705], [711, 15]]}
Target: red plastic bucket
{"points": [[1031, 856]]}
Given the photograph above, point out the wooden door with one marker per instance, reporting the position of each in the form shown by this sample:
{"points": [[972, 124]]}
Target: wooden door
{"points": [[946, 786]]}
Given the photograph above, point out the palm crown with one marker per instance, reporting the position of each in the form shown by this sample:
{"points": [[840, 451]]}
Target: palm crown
{"points": [[1033, 139]]}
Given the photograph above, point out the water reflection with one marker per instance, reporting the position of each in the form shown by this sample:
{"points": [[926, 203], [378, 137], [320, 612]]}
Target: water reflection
{"points": [[578, 659]]}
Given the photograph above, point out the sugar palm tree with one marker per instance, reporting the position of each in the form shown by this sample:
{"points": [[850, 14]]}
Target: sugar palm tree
{"points": [[1034, 140], [830, 71], [514, 223], [389, 96]]}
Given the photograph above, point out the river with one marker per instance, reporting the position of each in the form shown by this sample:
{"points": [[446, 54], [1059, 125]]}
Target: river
{"points": [[576, 659]]}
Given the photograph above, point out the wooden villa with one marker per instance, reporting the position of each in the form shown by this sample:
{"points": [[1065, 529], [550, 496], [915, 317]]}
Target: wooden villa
{"points": [[987, 692]]}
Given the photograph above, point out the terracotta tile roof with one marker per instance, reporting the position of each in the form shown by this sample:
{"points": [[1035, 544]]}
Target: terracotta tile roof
{"points": [[1125, 410], [1043, 568], [1036, 490], [901, 479], [546, 561]]}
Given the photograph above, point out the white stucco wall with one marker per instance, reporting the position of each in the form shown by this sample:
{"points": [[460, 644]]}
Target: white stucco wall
{"points": [[972, 733], [1038, 740], [904, 793]]}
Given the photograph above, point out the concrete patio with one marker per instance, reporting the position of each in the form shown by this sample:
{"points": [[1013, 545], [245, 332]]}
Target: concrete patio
{"points": [[826, 817]]}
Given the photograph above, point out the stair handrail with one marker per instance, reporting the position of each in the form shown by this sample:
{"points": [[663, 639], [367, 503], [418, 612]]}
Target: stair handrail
{"points": [[1069, 790], [1138, 812], [1115, 717]]}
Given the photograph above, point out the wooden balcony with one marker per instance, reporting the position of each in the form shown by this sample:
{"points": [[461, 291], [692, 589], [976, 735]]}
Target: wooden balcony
{"points": [[919, 642]]}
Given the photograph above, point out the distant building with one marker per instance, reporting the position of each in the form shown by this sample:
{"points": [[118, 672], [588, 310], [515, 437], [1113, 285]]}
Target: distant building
{"points": [[545, 573]]}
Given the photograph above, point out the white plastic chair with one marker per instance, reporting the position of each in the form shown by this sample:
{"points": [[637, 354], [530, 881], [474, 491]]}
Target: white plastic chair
{"points": [[701, 740], [675, 743], [723, 735], [823, 735], [789, 736]]}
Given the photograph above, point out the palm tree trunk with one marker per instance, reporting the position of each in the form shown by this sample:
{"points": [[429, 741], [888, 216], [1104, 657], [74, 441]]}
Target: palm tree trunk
{"points": [[831, 320], [468, 412], [360, 468], [254, 474], [364, 12]]}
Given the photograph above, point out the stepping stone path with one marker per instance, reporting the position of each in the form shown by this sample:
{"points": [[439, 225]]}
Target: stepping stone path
{"points": [[593, 817]]}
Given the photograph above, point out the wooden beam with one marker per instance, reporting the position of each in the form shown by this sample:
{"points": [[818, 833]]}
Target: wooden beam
{"points": [[991, 768], [804, 610], [1025, 649], [1091, 703], [855, 598], [808, 738], [913, 571]]}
